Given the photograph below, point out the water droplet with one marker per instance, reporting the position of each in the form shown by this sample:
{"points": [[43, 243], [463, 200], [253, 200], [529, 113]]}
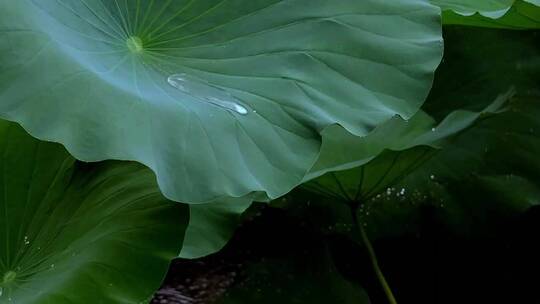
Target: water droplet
{"points": [[52, 265], [432, 129], [26, 241], [432, 177], [206, 92]]}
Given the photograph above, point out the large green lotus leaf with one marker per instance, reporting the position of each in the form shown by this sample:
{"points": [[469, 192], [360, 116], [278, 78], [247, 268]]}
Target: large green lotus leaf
{"points": [[522, 15], [219, 97], [211, 226], [76, 233]]}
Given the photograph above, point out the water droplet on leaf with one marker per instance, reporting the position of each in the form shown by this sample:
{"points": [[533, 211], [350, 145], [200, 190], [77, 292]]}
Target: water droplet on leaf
{"points": [[206, 92]]}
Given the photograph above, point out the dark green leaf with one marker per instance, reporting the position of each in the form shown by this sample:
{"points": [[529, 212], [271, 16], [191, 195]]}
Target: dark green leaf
{"points": [[76, 233]]}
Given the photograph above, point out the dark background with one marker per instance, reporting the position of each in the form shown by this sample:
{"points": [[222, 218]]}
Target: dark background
{"points": [[432, 266]]}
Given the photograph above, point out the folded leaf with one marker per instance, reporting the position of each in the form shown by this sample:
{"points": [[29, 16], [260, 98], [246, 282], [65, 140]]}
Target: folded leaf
{"points": [[521, 16], [488, 8], [211, 226], [506, 14]]}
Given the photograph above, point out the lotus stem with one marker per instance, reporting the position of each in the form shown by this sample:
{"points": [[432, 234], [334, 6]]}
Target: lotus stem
{"points": [[373, 257]]}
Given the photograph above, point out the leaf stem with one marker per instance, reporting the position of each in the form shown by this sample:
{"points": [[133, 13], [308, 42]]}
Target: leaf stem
{"points": [[372, 256]]}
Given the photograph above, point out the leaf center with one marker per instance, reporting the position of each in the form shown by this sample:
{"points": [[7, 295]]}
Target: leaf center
{"points": [[9, 277], [134, 44]]}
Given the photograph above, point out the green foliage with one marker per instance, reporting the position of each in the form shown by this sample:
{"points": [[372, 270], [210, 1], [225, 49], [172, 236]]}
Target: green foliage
{"points": [[226, 102], [73, 232], [495, 172], [488, 171]]}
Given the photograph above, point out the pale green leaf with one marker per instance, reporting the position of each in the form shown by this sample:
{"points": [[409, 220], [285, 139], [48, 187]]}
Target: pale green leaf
{"points": [[221, 98]]}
